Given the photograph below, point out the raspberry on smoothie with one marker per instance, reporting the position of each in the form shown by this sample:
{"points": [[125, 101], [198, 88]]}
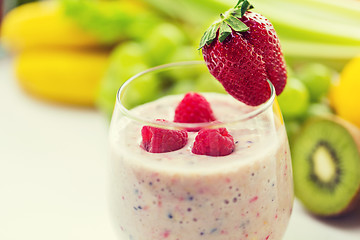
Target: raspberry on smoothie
{"points": [[213, 142], [194, 108], [158, 140]]}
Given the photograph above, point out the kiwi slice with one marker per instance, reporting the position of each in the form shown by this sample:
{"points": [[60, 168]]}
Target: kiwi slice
{"points": [[326, 166]]}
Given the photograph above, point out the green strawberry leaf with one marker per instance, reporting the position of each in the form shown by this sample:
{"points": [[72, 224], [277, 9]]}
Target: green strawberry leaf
{"points": [[209, 35], [212, 33], [244, 7], [239, 11], [204, 39], [236, 24], [224, 31], [239, 2]]}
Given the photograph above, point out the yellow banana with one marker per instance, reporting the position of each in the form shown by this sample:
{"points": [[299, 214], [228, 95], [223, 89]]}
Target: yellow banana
{"points": [[66, 75], [42, 24]]}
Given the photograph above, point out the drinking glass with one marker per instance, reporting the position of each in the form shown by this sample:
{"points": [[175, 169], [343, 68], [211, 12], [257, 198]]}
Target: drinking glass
{"points": [[179, 195]]}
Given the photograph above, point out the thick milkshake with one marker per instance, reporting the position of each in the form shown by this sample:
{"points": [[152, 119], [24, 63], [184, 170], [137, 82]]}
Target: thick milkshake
{"points": [[179, 195]]}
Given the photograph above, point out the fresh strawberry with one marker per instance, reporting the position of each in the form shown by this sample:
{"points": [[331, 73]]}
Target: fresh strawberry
{"points": [[194, 108], [159, 140], [262, 36], [213, 142], [242, 74], [242, 51]]}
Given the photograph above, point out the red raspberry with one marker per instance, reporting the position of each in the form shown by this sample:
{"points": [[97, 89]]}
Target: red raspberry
{"points": [[159, 140], [194, 108], [213, 142]]}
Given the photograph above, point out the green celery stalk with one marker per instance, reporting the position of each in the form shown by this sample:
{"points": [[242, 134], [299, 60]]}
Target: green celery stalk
{"points": [[321, 50], [325, 30], [195, 15], [314, 20]]}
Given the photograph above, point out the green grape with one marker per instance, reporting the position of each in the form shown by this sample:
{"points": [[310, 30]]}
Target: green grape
{"points": [[294, 100], [125, 61], [317, 78], [318, 109], [142, 90], [290, 71], [173, 78], [111, 21], [162, 42], [186, 53], [207, 83], [292, 128], [182, 86]]}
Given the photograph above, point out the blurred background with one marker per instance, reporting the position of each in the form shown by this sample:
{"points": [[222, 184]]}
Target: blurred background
{"points": [[62, 62]]}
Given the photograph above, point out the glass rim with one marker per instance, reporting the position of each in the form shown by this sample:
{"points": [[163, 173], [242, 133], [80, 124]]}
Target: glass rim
{"points": [[169, 124]]}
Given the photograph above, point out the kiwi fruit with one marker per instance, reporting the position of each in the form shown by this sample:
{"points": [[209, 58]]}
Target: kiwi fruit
{"points": [[326, 166]]}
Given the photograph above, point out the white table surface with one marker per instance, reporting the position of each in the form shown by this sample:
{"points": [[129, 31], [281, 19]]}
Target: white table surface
{"points": [[53, 174]]}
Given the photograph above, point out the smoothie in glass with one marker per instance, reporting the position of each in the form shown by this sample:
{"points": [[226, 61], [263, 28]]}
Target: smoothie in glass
{"points": [[180, 195]]}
